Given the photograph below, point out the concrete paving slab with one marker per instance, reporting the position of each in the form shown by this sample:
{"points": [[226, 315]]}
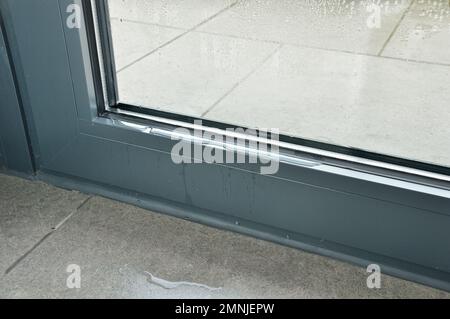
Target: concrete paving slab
{"points": [[189, 75], [424, 33], [115, 245], [133, 41], [28, 211], [183, 14], [382, 105], [339, 25]]}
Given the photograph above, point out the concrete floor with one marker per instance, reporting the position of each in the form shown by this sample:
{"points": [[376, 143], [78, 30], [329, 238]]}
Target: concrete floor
{"points": [[313, 69], [44, 229]]}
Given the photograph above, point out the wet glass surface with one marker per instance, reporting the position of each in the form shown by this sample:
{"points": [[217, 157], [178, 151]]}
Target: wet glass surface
{"points": [[373, 75]]}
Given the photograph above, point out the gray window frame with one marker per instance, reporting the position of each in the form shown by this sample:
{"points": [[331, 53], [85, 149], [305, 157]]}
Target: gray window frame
{"points": [[16, 153]]}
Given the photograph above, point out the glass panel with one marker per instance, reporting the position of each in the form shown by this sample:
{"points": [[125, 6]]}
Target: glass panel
{"points": [[372, 75]]}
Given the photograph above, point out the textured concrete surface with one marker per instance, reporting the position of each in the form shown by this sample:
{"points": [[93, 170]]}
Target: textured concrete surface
{"points": [[424, 33], [169, 82], [365, 99], [344, 72], [115, 245], [29, 211], [330, 24]]}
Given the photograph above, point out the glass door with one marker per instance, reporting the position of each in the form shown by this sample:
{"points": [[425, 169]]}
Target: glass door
{"points": [[321, 125]]}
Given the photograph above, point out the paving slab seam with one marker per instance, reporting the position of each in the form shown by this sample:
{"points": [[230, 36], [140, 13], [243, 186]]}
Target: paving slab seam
{"points": [[395, 28], [53, 230], [178, 37]]}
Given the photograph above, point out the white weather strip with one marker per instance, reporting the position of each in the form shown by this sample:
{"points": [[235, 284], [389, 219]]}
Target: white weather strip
{"points": [[175, 284], [291, 146]]}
